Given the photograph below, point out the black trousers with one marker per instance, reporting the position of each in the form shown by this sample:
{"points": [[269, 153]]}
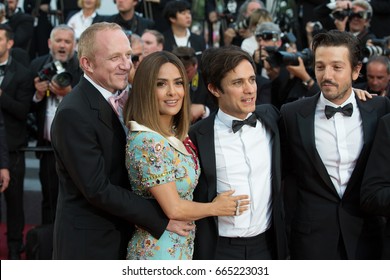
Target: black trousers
{"points": [[260, 247], [49, 181], [14, 201]]}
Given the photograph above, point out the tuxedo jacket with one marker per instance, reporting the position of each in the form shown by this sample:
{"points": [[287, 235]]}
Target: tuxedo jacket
{"points": [[202, 135], [319, 217], [195, 41], [17, 92], [4, 162], [96, 209], [375, 192], [23, 26]]}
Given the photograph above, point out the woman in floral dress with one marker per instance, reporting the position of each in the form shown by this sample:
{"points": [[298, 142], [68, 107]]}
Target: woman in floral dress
{"points": [[161, 160]]}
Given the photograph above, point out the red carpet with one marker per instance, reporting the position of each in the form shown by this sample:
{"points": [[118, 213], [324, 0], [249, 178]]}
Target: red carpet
{"points": [[3, 240]]}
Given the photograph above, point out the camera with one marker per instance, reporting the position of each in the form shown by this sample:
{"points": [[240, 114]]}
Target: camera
{"points": [[244, 24], [54, 71], [340, 14], [379, 48], [278, 58]]}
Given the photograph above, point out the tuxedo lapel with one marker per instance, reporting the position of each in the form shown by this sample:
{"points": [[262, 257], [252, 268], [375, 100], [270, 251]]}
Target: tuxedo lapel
{"points": [[305, 123], [105, 113], [9, 75], [206, 147]]}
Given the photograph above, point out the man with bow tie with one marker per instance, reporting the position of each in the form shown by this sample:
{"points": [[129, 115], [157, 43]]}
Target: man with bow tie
{"points": [[326, 140], [239, 150]]}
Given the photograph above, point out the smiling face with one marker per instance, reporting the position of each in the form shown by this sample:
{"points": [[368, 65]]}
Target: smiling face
{"points": [[334, 72], [238, 95], [111, 64], [170, 92]]}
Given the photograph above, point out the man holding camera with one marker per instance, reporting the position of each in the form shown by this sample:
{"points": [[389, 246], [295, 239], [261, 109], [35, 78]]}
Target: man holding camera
{"points": [[56, 74], [289, 78], [15, 96]]}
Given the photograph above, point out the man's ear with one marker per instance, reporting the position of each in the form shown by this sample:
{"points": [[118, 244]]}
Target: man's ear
{"points": [[214, 90]]}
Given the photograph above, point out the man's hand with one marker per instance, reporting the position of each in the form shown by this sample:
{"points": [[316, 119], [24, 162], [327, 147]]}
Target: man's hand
{"points": [[182, 228], [41, 88], [197, 112], [362, 94], [4, 179]]}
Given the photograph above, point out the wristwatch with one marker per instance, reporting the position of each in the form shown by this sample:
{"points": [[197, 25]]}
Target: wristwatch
{"points": [[307, 83]]}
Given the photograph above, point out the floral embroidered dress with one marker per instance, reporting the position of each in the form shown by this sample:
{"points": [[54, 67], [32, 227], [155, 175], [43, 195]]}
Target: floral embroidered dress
{"points": [[152, 160]]}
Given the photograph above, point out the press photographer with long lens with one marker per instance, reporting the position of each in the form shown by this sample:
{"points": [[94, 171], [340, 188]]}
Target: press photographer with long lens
{"points": [[238, 30], [56, 74], [283, 65]]}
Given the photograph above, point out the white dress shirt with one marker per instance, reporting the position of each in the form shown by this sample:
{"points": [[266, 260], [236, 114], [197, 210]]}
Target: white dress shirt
{"points": [[339, 141], [243, 163], [79, 22]]}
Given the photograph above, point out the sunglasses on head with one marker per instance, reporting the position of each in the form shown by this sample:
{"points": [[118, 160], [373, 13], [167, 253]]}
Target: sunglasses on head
{"points": [[268, 35]]}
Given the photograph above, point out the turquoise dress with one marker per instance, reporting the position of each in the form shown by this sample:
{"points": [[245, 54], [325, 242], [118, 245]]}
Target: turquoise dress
{"points": [[154, 160]]}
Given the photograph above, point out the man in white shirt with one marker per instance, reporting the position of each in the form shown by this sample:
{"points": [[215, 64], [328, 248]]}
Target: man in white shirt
{"points": [[326, 140], [245, 158]]}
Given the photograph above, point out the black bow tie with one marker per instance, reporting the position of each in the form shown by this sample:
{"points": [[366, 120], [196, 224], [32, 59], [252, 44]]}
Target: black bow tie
{"points": [[346, 110], [252, 121]]}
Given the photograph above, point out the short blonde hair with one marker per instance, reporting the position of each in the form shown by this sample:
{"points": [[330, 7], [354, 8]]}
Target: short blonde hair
{"points": [[142, 104], [86, 44]]}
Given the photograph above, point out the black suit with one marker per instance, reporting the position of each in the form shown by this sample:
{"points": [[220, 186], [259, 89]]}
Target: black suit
{"points": [[320, 219], [375, 192], [23, 26], [136, 25], [47, 172], [202, 135], [195, 41], [3, 143], [17, 88], [96, 208]]}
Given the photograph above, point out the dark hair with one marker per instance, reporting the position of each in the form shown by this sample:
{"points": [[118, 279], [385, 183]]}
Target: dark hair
{"points": [[186, 55], [174, 7], [142, 104], [335, 38], [380, 59], [217, 62], [9, 33]]}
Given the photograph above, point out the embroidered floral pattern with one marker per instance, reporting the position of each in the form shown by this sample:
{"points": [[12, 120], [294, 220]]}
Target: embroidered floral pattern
{"points": [[151, 161]]}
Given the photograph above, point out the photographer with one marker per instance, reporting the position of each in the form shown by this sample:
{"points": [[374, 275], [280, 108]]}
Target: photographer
{"points": [[238, 30], [56, 74], [377, 76], [289, 77]]}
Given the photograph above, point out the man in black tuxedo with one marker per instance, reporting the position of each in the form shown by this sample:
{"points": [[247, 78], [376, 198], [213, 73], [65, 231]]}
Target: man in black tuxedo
{"points": [[21, 23], [15, 95], [4, 161], [326, 140], [96, 208], [48, 94], [246, 159], [375, 195]]}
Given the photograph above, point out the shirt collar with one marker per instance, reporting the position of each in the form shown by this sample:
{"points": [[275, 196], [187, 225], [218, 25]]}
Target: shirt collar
{"points": [[227, 119]]}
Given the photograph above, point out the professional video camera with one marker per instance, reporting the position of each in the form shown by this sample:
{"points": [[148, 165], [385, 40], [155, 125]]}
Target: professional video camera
{"points": [[277, 58], [54, 71], [340, 14], [379, 48]]}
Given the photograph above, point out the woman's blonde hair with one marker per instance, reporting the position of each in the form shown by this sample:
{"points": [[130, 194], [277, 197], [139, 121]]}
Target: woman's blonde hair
{"points": [[142, 105], [80, 3]]}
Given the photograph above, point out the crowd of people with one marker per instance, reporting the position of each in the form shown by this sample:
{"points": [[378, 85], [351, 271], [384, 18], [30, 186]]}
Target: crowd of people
{"points": [[199, 129]]}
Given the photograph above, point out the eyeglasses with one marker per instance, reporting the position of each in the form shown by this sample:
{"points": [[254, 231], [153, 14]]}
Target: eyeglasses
{"points": [[268, 35]]}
